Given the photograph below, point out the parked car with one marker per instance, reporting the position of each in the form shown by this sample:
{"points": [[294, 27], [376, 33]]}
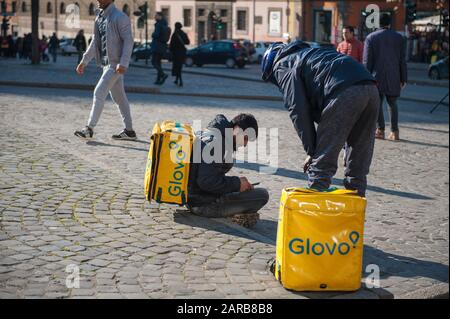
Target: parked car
{"points": [[227, 52], [143, 51], [439, 69], [260, 49], [67, 47]]}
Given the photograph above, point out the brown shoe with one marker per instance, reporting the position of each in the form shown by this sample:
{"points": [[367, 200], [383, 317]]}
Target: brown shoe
{"points": [[394, 136], [248, 220], [379, 134]]}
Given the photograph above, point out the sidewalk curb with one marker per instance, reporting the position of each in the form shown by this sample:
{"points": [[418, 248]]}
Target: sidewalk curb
{"points": [[152, 90], [79, 86], [243, 78]]}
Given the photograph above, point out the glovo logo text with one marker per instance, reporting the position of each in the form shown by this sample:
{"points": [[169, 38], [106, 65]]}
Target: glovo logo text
{"points": [[298, 246], [177, 177]]}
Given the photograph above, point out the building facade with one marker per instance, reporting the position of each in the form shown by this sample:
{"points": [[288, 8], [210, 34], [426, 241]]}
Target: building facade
{"points": [[259, 20], [254, 20]]}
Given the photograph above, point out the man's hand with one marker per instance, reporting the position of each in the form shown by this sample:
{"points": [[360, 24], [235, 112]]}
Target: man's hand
{"points": [[80, 68], [306, 164], [120, 69], [245, 185], [403, 85]]}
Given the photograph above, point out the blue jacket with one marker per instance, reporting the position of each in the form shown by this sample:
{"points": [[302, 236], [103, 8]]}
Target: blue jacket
{"points": [[384, 57], [309, 78], [159, 45]]}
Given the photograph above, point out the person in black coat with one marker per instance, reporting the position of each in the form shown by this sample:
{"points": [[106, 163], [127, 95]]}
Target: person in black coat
{"points": [[338, 94], [177, 48], [385, 58], [160, 37], [212, 193], [80, 44]]}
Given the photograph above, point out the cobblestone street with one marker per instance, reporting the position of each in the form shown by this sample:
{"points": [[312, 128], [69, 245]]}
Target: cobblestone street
{"points": [[64, 201]]}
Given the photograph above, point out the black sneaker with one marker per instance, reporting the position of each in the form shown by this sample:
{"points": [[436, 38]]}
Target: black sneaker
{"points": [[163, 79], [86, 133], [125, 135]]}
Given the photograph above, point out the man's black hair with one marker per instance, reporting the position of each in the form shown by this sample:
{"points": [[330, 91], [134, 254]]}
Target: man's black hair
{"points": [[350, 28], [385, 20], [245, 121]]}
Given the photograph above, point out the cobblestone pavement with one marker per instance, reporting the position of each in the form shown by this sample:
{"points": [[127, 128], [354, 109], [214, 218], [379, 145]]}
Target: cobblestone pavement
{"points": [[63, 201]]}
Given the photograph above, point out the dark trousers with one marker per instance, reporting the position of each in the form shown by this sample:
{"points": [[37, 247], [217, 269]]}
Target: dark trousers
{"points": [[393, 112], [53, 53], [348, 121], [234, 203], [156, 62]]}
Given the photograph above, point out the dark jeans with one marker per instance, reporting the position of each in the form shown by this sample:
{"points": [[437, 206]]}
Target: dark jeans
{"points": [[156, 62], [53, 53], [234, 203], [393, 112], [348, 120]]}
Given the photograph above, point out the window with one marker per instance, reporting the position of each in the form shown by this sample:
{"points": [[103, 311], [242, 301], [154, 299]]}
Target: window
{"points": [[24, 7], [187, 17], [206, 47], [91, 9], [242, 20], [126, 9], [222, 46], [14, 6], [223, 12], [201, 12], [62, 8], [49, 7]]}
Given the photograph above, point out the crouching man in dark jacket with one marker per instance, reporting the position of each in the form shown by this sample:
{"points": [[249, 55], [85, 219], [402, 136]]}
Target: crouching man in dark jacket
{"points": [[338, 94], [211, 192]]}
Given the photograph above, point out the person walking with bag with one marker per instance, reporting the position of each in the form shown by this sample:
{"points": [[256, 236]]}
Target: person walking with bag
{"points": [[177, 48], [112, 44]]}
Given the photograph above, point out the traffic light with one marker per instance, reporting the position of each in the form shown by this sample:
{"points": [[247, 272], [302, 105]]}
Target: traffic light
{"points": [[142, 13], [411, 11], [445, 17], [216, 21], [219, 23]]}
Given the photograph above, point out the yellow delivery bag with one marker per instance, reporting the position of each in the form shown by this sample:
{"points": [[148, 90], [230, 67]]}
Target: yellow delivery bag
{"points": [[320, 240], [167, 172]]}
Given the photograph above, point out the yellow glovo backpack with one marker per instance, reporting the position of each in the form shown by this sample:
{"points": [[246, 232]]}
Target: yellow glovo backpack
{"points": [[169, 156], [320, 240]]}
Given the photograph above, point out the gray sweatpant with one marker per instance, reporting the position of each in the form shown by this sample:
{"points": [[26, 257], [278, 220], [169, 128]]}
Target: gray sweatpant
{"points": [[234, 203], [348, 120], [112, 83]]}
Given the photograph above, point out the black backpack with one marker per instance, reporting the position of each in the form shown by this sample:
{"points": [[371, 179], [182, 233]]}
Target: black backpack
{"points": [[165, 34]]}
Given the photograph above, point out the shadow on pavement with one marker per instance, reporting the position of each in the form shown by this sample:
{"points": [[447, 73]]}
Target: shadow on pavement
{"points": [[284, 172], [401, 266], [96, 143], [423, 143], [390, 264], [424, 129]]}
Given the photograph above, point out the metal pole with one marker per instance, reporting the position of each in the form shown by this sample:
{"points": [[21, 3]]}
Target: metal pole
{"points": [[146, 30], [254, 16], [56, 17]]}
